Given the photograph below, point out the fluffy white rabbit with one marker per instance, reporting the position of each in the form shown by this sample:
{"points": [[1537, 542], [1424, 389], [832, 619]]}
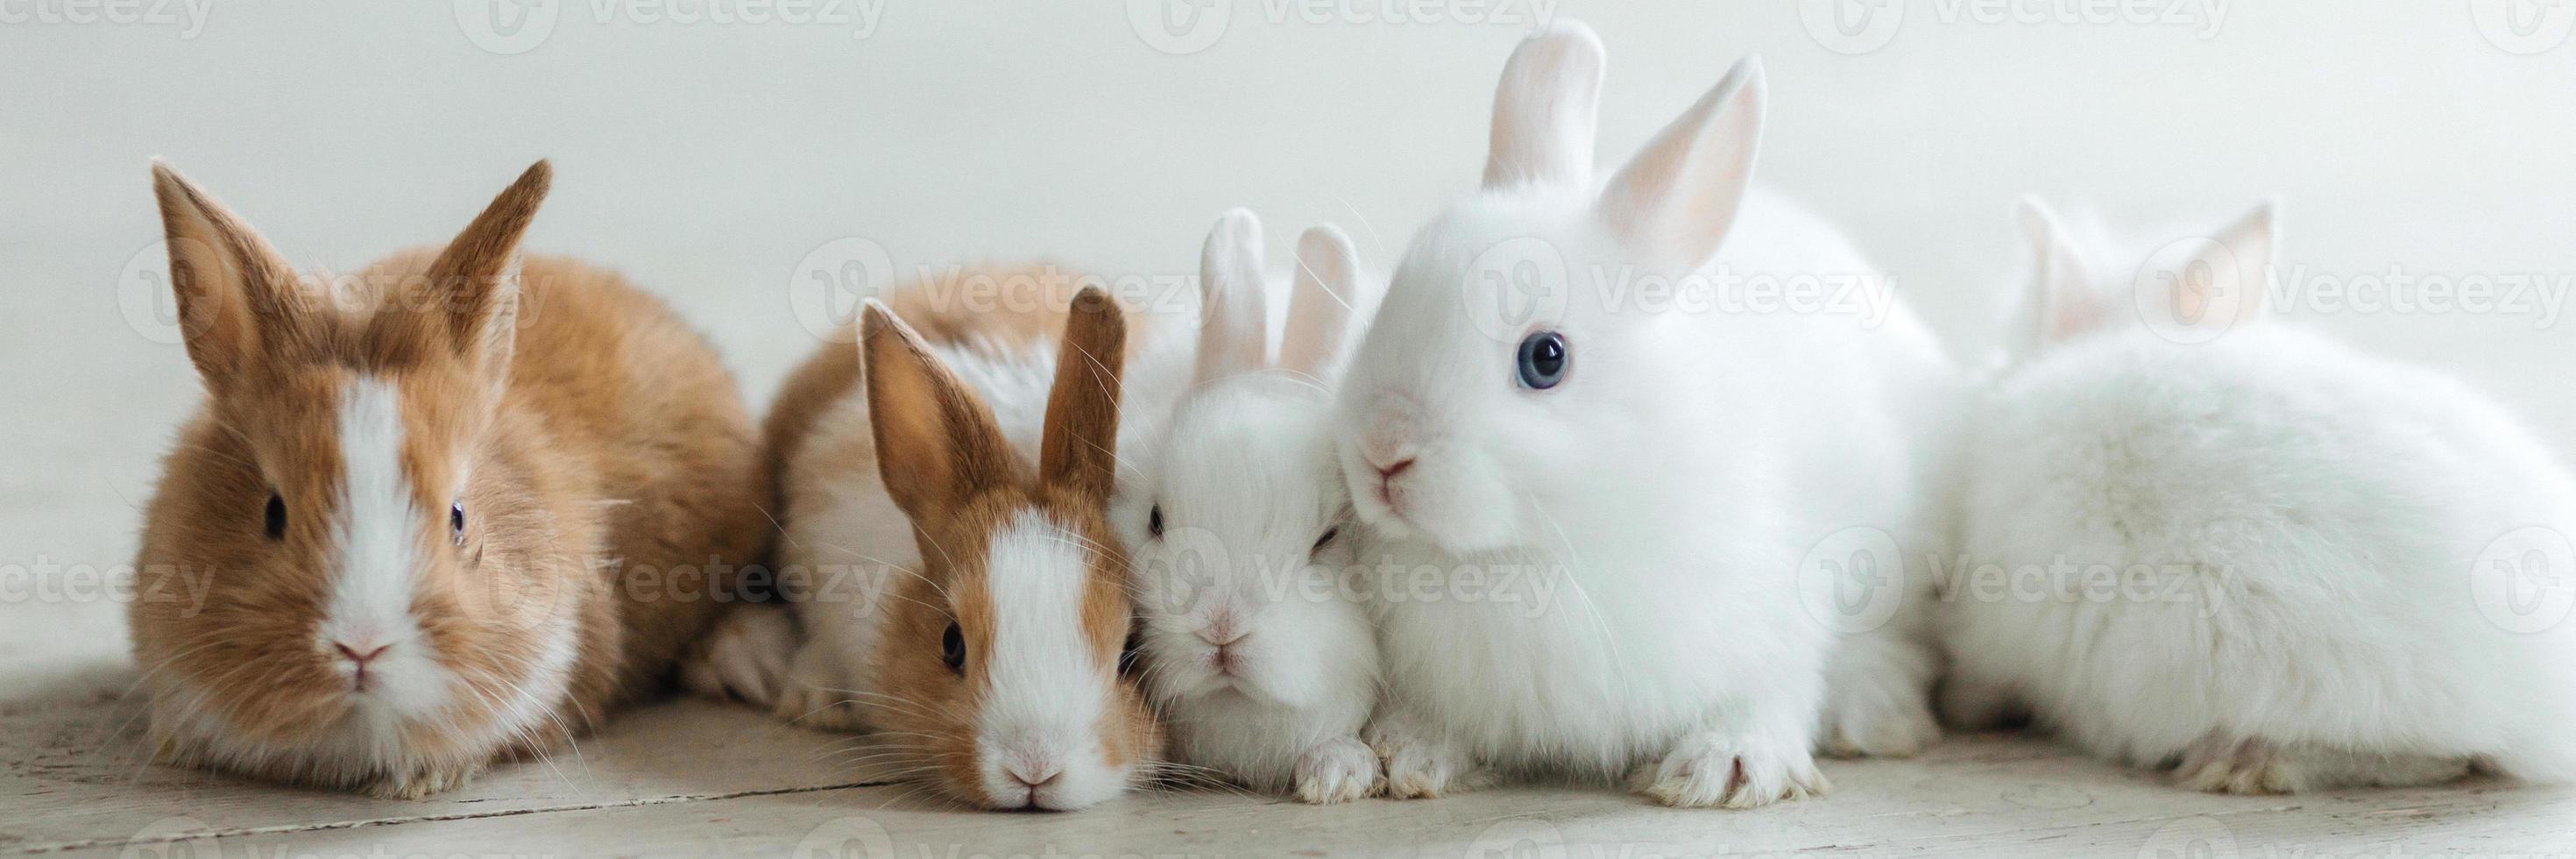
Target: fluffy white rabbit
{"points": [[1260, 660], [2196, 539], [1596, 496]]}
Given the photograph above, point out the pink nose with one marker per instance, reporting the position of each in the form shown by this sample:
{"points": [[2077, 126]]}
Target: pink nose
{"points": [[1388, 472], [358, 660]]}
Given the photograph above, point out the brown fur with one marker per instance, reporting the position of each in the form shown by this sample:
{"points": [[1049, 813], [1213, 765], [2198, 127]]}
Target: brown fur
{"points": [[611, 460], [947, 465]]}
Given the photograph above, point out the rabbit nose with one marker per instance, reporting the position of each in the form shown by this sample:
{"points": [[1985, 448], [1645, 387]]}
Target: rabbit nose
{"points": [[1388, 472], [1034, 775], [358, 659]]}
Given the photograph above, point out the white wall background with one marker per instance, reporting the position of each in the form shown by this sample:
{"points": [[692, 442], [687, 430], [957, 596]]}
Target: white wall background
{"points": [[708, 159]]}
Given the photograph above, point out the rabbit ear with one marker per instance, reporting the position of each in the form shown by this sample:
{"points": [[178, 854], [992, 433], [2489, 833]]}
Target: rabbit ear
{"points": [[1079, 447], [1321, 304], [1676, 199], [1546, 108], [937, 443], [2062, 301], [477, 276], [1234, 330], [237, 296]]}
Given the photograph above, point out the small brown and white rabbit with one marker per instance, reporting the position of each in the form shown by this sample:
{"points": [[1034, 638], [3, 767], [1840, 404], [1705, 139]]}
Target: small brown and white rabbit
{"points": [[966, 605], [454, 508]]}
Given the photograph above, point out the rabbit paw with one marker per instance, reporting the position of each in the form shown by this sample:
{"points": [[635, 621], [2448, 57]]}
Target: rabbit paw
{"points": [[421, 781], [822, 688], [1710, 770], [743, 659], [1338, 771], [1422, 769], [1878, 723], [2216, 764]]}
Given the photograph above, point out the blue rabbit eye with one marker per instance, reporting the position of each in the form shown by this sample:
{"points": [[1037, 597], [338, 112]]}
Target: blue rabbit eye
{"points": [[1543, 360]]}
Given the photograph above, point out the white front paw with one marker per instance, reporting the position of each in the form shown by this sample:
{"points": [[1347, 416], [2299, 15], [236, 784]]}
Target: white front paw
{"points": [[1709, 770], [744, 658], [1417, 768], [1338, 770], [1883, 717], [823, 688]]}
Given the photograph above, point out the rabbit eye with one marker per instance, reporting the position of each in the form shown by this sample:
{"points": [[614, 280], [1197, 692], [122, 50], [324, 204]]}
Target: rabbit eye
{"points": [[276, 517], [1154, 522], [1543, 360], [952, 649], [456, 522], [1327, 539]]}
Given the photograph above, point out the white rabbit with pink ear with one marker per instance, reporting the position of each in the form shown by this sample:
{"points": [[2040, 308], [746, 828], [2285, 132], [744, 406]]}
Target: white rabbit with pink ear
{"points": [[1654, 474], [1260, 659], [2246, 552]]}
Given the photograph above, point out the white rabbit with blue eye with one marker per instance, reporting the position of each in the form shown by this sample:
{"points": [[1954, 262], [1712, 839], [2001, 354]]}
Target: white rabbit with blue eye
{"points": [[2246, 552], [1597, 503], [1258, 656]]}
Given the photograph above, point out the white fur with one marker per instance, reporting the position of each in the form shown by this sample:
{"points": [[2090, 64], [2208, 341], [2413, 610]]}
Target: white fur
{"points": [[377, 543], [1039, 716], [1668, 488], [1247, 488], [2302, 522]]}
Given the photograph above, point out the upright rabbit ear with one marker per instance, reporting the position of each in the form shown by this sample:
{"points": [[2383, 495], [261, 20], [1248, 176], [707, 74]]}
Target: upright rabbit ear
{"points": [[1546, 108], [2224, 283], [2062, 302], [1320, 306], [236, 296], [937, 443], [1676, 199], [477, 276], [1234, 331], [1079, 449]]}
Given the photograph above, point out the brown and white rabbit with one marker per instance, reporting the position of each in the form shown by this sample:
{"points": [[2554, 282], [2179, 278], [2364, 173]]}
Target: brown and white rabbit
{"points": [[454, 508]]}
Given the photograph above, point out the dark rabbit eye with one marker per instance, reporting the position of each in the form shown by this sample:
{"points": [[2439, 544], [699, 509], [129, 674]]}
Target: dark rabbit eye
{"points": [[1543, 360], [1327, 539], [456, 522], [952, 650], [1154, 521], [276, 517]]}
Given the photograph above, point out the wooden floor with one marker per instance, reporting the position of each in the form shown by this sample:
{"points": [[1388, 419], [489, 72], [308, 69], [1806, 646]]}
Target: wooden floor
{"points": [[692, 778]]}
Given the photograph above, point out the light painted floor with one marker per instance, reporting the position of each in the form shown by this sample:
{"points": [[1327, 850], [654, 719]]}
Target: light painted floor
{"points": [[714, 162], [692, 778]]}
